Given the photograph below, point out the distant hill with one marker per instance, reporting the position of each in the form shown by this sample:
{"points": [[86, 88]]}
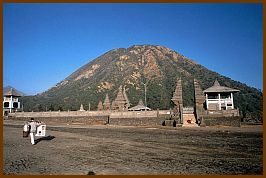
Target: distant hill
{"points": [[7, 88], [157, 66]]}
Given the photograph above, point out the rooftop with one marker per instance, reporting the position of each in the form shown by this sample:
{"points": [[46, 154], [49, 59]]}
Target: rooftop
{"points": [[139, 107], [12, 92], [217, 88]]}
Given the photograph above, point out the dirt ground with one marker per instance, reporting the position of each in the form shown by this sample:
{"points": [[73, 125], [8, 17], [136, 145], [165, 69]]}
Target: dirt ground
{"points": [[115, 150]]}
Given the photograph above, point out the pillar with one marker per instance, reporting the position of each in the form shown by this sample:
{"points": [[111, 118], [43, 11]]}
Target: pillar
{"points": [[207, 107], [11, 104], [219, 101], [232, 99]]}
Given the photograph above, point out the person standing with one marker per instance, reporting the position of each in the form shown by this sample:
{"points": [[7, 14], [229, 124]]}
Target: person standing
{"points": [[33, 127]]}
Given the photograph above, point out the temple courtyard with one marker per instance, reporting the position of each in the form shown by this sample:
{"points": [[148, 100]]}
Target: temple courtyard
{"points": [[119, 150]]}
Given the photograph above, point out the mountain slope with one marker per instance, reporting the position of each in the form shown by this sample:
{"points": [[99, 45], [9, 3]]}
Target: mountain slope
{"points": [[157, 66]]}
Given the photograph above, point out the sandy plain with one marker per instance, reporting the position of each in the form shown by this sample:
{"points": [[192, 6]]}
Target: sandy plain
{"points": [[78, 149]]}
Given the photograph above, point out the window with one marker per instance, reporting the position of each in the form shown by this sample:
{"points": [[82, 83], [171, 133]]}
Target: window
{"points": [[15, 105], [6, 104]]}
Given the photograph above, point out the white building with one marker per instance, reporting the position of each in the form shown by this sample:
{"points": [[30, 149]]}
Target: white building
{"points": [[11, 103], [219, 97]]}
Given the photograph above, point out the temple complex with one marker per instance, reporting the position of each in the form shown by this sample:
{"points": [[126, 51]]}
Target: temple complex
{"points": [[212, 106]]}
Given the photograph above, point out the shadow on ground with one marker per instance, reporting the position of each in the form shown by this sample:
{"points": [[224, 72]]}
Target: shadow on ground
{"points": [[49, 137]]}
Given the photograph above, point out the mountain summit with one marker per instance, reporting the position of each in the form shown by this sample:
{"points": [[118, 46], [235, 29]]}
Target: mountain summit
{"points": [[153, 66]]}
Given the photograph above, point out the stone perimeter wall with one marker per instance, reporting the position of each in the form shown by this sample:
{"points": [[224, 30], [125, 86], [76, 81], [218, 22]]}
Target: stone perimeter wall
{"points": [[113, 114], [134, 118], [224, 121], [129, 118], [145, 121], [60, 114], [87, 120]]}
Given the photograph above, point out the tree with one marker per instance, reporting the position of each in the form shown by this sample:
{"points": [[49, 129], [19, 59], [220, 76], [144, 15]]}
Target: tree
{"points": [[40, 108], [60, 108], [51, 108]]}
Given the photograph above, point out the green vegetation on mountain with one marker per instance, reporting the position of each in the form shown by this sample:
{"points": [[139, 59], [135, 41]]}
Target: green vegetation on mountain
{"points": [[156, 66]]}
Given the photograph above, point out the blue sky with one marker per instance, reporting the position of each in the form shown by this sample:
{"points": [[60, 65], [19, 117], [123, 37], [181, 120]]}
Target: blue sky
{"points": [[45, 43]]}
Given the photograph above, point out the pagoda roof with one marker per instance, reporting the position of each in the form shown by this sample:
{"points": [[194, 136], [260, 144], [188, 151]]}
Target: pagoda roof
{"points": [[120, 97], [12, 92], [217, 88], [100, 104], [139, 107], [106, 101]]}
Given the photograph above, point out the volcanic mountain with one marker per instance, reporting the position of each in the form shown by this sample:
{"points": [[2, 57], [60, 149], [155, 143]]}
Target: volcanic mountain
{"points": [[155, 66]]}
